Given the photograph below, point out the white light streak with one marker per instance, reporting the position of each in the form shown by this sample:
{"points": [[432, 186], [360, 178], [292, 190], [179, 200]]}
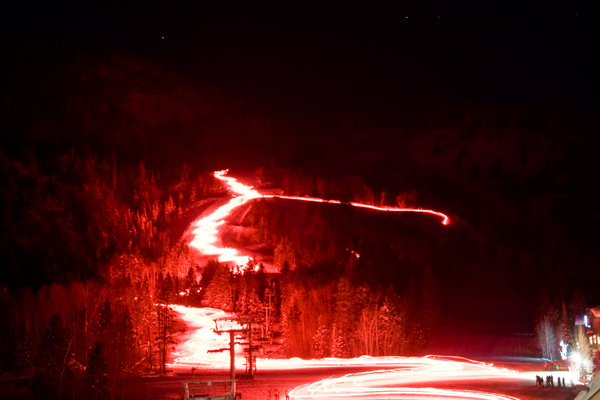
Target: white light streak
{"points": [[393, 382], [395, 377]]}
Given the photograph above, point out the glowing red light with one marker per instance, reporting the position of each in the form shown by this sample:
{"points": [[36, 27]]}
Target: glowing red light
{"points": [[396, 381], [206, 229], [444, 217], [390, 383]]}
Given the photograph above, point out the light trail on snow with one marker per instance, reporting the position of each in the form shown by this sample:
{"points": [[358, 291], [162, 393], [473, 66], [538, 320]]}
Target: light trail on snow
{"points": [[326, 389], [396, 381], [332, 392], [206, 229], [393, 377]]}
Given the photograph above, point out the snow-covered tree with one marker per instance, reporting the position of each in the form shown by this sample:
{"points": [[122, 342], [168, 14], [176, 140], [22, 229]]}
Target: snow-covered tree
{"points": [[344, 319], [584, 352], [546, 337], [218, 291]]}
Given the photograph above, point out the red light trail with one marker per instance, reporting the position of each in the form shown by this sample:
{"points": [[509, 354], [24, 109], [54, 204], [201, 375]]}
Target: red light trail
{"points": [[392, 383], [206, 229], [402, 378], [444, 217]]}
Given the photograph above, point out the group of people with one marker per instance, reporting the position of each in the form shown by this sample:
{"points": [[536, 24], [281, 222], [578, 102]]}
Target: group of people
{"points": [[275, 393], [539, 381]]}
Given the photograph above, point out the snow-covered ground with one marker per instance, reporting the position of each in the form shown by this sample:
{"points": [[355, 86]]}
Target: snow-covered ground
{"points": [[197, 357], [363, 377]]}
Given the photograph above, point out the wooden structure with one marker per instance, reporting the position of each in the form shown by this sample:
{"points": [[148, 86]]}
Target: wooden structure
{"points": [[209, 390]]}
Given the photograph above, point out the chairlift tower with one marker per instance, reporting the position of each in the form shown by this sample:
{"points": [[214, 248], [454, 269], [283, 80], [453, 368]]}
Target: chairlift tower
{"points": [[232, 333], [269, 294], [244, 326]]}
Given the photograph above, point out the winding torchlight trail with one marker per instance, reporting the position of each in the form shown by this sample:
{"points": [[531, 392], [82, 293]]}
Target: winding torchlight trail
{"points": [[444, 217], [395, 382], [206, 229]]}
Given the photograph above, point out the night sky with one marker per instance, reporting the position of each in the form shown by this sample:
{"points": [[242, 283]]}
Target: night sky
{"points": [[324, 60]]}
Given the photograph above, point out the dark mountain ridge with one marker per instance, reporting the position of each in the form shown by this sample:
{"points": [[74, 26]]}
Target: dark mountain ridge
{"points": [[516, 179]]}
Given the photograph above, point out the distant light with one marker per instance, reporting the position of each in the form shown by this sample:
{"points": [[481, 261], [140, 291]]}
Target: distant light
{"points": [[585, 321], [354, 253], [563, 350], [576, 357]]}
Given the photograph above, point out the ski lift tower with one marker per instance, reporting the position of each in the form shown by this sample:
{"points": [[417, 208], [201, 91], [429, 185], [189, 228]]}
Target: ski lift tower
{"points": [[232, 332], [240, 325]]}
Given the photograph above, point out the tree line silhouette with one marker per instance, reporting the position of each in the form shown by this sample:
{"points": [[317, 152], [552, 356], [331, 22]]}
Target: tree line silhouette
{"points": [[90, 269]]}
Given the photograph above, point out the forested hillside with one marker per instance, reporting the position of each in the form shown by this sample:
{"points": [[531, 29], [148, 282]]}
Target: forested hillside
{"points": [[103, 158], [106, 158]]}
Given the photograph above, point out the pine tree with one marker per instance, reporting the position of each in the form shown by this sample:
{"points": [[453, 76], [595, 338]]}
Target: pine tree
{"points": [[344, 319], [23, 356], [565, 326], [125, 341], [429, 303], [547, 340], [585, 353], [218, 292], [169, 208], [102, 326], [143, 317], [367, 330], [96, 373], [392, 325], [53, 352], [284, 253], [164, 339], [248, 301], [322, 338], [548, 329], [190, 281], [291, 319]]}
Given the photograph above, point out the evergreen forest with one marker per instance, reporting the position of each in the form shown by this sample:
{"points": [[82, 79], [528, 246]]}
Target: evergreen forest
{"points": [[107, 159]]}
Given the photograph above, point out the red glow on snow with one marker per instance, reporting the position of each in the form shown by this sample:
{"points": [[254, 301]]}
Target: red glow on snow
{"points": [[204, 350], [206, 229], [392, 381], [197, 353]]}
